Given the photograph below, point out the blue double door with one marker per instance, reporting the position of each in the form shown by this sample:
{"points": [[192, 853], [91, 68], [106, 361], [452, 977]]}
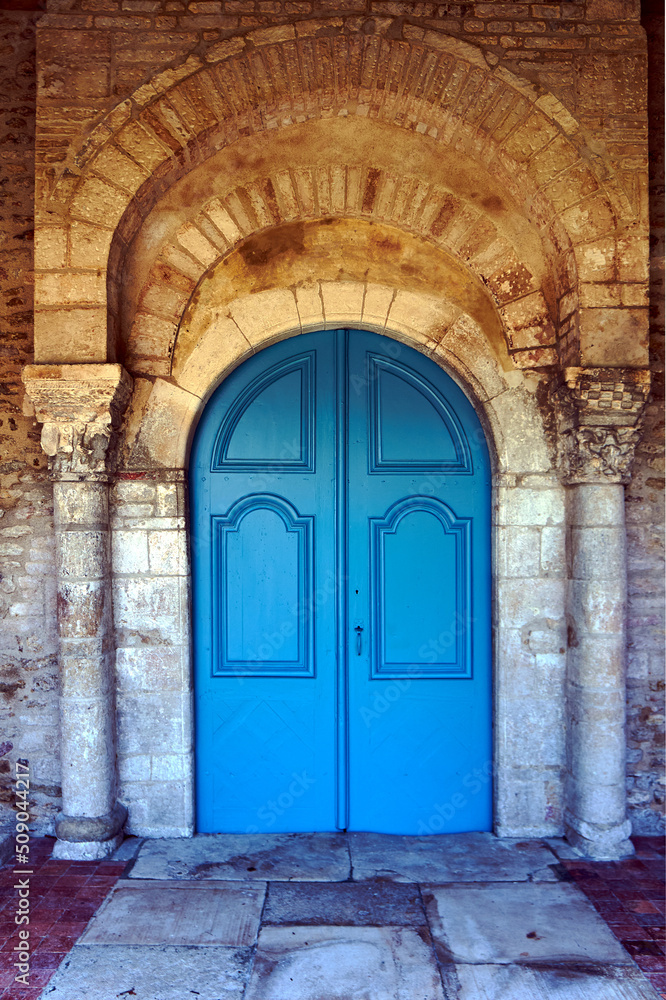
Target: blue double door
{"points": [[340, 501]]}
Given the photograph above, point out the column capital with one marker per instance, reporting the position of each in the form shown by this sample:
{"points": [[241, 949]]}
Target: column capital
{"points": [[599, 412], [80, 407]]}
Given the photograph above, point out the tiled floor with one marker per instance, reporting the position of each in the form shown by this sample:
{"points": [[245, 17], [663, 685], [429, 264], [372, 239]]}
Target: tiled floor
{"points": [[63, 897], [382, 918], [629, 895]]}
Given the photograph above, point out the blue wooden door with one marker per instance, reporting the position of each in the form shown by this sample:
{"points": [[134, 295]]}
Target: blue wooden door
{"points": [[340, 493]]}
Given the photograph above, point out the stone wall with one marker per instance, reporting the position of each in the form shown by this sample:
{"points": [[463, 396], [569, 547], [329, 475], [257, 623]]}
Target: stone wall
{"points": [[94, 54], [645, 505], [28, 666]]}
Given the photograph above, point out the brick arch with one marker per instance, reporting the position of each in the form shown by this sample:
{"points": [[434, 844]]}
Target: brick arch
{"points": [[415, 80]]}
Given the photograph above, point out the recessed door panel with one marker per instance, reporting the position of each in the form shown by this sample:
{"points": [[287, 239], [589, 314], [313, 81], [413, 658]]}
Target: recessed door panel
{"points": [[340, 541]]}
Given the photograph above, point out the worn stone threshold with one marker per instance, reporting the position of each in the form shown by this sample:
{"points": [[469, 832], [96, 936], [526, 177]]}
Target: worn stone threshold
{"points": [[347, 917]]}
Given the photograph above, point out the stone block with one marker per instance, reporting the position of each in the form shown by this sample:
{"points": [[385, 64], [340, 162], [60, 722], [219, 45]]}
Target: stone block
{"points": [[310, 306], [553, 551], [141, 146], [599, 802], [528, 322], [483, 355], [170, 767], [220, 349], [168, 553], [151, 336], [376, 305], [420, 316], [598, 554], [159, 809], [590, 505], [534, 733], [596, 662], [308, 961], [153, 723], [525, 804], [115, 166], [614, 337], [550, 670], [83, 554], [152, 668], [50, 247], [519, 605], [88, 756], [266, 315], [86, 669], [147, 603], [130, 492], [545, 635], [223, 221], [193, 240], [524, 506], [134, 768], [343, 303], [164, 433], [70, 335], [169, 499], [99, 202], [130, 551], [518, 551], [595, 607], [522, 446], [83, 609]]}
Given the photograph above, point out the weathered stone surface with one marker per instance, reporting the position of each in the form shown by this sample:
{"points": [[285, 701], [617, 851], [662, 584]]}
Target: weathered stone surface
{"points": [[338, 962], [168, 913], [520, 982], [475, 857], [88, 829], [527, 922], [314, 857], [160, 971], [376, 904]]}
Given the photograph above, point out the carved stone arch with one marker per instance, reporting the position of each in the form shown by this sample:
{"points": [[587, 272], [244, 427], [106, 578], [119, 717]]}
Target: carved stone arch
{"points": [[224, 329], [390, 212], [415, 80]]}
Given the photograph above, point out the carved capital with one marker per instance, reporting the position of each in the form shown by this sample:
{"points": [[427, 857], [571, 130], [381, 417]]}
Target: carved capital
{"points": [[599, 422], [593, 454], [80, 407]]}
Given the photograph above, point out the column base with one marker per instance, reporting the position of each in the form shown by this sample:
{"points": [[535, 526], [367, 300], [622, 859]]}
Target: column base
{"points": [[85, 838], [599, 843], [86, 850]]}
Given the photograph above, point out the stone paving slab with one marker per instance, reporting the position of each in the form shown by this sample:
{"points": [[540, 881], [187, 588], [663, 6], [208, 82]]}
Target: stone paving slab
{"points": [[519, 922], [439, 858], [284, 857], [519, 982], [164, 913], [344, 963], [106, 972], [367, 904]]}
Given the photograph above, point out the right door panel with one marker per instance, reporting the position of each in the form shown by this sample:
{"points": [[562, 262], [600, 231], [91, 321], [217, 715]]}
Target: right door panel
{"points": [[419, 686]]}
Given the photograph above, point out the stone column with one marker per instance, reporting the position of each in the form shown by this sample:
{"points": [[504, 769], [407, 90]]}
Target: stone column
{"points": [[601, 413], [80, 407]]}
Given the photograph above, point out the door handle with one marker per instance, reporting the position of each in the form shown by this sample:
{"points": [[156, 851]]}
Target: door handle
{"points": [[359, 640]]}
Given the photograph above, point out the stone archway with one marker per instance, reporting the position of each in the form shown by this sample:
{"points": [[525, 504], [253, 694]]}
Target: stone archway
{"points": [[119, 276]]}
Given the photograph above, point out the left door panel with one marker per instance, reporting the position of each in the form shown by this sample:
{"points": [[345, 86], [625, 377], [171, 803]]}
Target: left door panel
{"points": [[262, 488]]}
